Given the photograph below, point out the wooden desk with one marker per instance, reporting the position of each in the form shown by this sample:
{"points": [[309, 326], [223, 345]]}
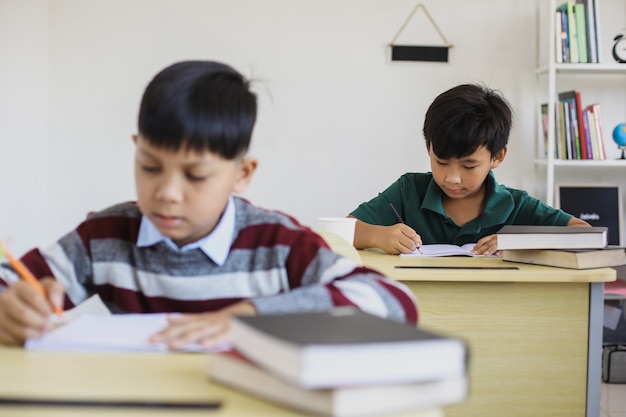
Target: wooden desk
{"points": [[125, 376], [535, 333]]}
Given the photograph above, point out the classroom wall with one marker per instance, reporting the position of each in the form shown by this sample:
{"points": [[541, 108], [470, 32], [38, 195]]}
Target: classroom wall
{"points": [[338, 121]]}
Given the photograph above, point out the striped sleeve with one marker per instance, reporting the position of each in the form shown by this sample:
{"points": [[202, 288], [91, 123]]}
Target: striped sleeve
{"points": [[321, 279]]}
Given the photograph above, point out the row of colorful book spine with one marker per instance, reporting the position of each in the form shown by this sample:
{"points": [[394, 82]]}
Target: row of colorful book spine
{"points": [[577, 32], [579, 133]]}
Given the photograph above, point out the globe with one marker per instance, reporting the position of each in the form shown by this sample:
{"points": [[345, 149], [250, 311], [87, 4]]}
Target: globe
{"points": [[619, 134], [619, 137]]}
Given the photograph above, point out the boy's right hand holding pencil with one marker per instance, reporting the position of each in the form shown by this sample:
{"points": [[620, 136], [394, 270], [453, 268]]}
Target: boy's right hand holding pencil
{"points": [[395, 239], [26, 308]]}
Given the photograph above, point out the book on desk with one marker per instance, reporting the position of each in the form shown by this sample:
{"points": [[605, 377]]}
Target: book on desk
{"points": [[346, 346], [569, 258], [235, 370], [551, 237], [342, 362]]}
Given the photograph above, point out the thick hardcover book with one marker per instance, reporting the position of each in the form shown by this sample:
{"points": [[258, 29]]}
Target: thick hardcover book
{"points": [[345, 347], [573, 259], [551, 237], [233, 369]]}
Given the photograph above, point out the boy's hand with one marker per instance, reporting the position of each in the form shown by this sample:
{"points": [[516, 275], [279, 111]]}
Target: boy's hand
{"points": [[488, 245], [207, 329], [399, 238], [25, 313], [395, 239]]}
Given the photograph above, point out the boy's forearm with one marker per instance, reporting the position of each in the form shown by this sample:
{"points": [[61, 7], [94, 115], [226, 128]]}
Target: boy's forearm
{"points": [[365, 235]]}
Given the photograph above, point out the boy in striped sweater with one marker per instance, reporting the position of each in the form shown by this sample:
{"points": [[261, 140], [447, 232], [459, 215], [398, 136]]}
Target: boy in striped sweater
{"points": [[189, 244]]}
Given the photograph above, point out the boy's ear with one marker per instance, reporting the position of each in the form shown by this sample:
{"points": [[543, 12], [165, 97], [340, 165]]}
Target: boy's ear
{"points": [[247, 166], [498, 158]]}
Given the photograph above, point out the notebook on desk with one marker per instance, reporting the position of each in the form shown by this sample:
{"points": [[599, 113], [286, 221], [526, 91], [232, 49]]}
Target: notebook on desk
{"points": [[91, 327]]}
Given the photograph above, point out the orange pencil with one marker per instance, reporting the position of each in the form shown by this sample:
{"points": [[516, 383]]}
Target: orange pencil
{"points": [[28, 276]]}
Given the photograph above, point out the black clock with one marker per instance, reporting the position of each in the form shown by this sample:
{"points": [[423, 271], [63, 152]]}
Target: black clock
{"points": [[619, 48]]}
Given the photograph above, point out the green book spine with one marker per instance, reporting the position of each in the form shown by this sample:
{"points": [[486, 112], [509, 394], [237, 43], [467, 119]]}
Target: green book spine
{"points": [[581, 32]]}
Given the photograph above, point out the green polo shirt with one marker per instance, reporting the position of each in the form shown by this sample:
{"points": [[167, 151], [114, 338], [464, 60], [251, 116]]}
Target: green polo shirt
{"points": [[417, 198]]}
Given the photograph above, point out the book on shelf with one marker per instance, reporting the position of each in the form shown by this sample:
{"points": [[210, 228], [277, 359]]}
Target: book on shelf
{"points": [[567, 9], [596, 112], [551, 237], [566, 131], [598, 30], [585, 151], [572, 258], [544, 129], [232, 369], [443, 249], [592, 42], [561, 136], [577, 29], [560, 37], [575, 132], [344, 347], [581, 32], [563, 45], [591, 152]]}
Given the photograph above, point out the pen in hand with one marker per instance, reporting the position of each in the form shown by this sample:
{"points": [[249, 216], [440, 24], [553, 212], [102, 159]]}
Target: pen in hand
{"points": [[399, 219], [28, 276]]}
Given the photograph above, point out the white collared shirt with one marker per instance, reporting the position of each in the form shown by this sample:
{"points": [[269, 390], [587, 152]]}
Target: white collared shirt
{"points": [[215, 245]]}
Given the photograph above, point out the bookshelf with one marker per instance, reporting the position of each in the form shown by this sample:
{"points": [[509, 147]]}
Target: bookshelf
{"points": [[584, 76]]}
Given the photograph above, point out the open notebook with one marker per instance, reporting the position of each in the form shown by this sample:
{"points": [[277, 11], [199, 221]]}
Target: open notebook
{"points": [[443, 250], [91, 327]]}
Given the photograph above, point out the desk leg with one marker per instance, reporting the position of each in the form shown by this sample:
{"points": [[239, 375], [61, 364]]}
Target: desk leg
{"points": [[594, 356]]}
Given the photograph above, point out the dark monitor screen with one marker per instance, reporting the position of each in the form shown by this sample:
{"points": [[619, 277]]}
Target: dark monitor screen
{"points": [[597, 205]]}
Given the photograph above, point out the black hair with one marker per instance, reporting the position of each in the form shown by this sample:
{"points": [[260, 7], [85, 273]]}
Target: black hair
{"points": [[466, 117], [199, 105]]}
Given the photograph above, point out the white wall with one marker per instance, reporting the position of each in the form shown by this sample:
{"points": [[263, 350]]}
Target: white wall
{"points": [[338, 121]]}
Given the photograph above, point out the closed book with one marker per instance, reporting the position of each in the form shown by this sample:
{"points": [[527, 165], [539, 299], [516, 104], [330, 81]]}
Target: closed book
{"points": [[588, 137], [559, 38], [596, 111], [564, 35], [581, 32], [344, 347], [572, 101], [544, 129], [593, 133], [551, 237], [568, 10], [591, 31], [582, 137], [573, 259], [234, 370]]}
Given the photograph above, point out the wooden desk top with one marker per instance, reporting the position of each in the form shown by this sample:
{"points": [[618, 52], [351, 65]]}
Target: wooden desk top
{"points": [[126, 376], [492, 269]]}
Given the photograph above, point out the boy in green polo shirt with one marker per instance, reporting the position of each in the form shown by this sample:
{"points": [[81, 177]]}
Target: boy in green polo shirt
{"points": [[466, 130]]}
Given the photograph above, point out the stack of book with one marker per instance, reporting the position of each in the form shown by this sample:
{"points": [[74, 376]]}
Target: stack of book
{"points": [[576, 34], [342, 363], [559, 246], [579, 133]]}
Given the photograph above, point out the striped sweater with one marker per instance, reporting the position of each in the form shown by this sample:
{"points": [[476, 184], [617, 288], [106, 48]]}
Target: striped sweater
{"points": [[274, 262]]}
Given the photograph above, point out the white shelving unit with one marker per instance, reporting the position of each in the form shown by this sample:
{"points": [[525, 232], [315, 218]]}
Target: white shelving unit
{"points": [[553, 71]]}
